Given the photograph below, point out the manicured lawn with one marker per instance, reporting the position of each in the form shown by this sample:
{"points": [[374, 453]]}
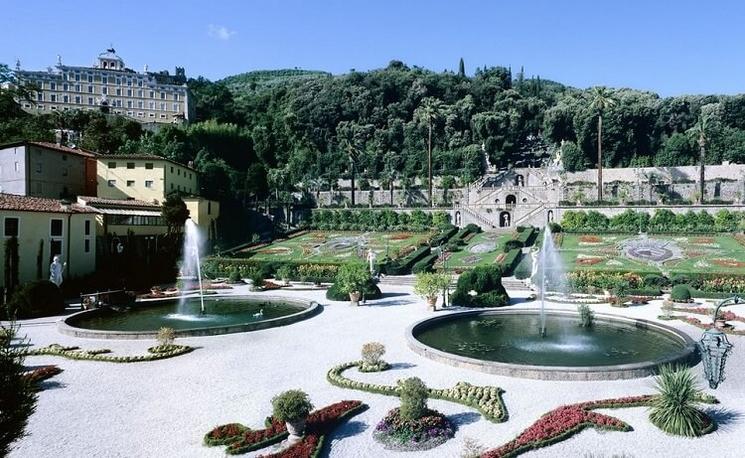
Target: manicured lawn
{"points": [[337, 246], [716, 253], [482, 248]]}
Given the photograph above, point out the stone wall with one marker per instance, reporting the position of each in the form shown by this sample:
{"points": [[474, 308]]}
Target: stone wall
{"points": [[401, 198]]}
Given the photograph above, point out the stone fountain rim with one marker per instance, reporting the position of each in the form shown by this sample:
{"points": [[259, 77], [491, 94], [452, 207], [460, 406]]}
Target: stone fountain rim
{"points": [[311, 308], [688, 353]]}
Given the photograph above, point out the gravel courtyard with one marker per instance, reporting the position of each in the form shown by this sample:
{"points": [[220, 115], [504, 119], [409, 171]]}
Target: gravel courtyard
{"points": [[164, 408]]}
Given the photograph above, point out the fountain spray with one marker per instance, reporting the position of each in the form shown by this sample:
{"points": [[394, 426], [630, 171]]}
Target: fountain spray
{"points": [[192, 242]]}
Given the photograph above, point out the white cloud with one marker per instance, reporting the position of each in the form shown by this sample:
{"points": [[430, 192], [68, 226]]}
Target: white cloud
{"points": [[220, 32]]}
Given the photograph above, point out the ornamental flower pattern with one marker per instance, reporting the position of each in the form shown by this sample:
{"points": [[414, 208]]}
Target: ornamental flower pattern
{"points": [[565, 421], [240, 439]]}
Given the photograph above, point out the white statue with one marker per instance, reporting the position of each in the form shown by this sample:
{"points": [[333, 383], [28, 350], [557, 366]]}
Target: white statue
{"points": [[55, 270], [371, 256]]}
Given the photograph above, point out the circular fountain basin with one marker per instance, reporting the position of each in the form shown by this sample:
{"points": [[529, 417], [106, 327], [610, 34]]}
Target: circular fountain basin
{"points": [[223, 315], [508, 342]]}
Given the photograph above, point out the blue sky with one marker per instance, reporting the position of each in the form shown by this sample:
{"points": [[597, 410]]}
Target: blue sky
{"points": [[672, 48]]}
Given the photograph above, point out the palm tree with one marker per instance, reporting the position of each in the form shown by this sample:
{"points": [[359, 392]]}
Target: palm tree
{"points": [[601, 101], [428, 112], [700, 133]]}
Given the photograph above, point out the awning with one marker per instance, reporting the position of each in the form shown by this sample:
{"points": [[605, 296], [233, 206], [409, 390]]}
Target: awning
{"points": [[128, 212]]}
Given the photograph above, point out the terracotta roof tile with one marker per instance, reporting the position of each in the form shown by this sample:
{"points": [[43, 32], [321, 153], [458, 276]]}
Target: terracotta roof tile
{"points": [[40, 204]]}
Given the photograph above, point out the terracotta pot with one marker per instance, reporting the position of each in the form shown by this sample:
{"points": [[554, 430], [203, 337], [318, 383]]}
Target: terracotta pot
{"points": [[295, 428], [432, 302], [354, 297]]}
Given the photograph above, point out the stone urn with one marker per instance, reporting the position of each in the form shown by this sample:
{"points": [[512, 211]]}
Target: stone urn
{"points": [[296, 429], [354, 297], [432, 302]]}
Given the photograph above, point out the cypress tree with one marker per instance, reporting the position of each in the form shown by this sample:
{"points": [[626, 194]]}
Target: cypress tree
{"points": [[461, 68]]}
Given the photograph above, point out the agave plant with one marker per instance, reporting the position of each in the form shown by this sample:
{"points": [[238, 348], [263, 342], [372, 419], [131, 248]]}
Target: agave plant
{"points": [[674, 408]]}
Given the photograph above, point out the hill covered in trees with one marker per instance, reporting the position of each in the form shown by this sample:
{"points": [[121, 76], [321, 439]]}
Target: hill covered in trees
{"points": [[262, 133]]}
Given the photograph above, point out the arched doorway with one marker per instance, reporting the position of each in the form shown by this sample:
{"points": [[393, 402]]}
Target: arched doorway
{"points": [[505, 219], [510, 201], [550, 216], [457, 218], [519, 180]]}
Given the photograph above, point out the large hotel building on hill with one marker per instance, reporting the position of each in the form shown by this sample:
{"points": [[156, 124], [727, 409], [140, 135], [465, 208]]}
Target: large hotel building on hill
{"points": [[149, 97]]}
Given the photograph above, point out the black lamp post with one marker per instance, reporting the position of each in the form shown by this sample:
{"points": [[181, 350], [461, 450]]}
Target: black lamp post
{"points": [[714, 347]]}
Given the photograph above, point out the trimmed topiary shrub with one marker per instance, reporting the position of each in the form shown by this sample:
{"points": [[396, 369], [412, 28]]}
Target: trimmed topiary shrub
{"points": [[481, 287], [653, 280], [36, 299], [680, 293], [291, 406], [414, 396], [370, 291], [425, 265], [680, 279], [512, 245], [524, 269]]}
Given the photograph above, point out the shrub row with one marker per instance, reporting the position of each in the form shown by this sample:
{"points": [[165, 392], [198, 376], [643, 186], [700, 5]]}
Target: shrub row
{"points": [[486, 399], [371, 291], [663, 220], [526, 236], [443, 236], [486, 283], [380, 220], [223, 267], [425, 264]]}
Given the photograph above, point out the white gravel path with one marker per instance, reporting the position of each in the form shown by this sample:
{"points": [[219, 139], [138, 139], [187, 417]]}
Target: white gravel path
{"points": [[163, 408]]}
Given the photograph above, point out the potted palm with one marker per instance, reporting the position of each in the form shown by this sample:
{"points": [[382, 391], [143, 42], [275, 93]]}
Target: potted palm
{"points": [[292, 407], [352, 279], [431, 285]]}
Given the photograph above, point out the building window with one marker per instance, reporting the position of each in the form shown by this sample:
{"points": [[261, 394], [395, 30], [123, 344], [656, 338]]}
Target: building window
{"points": [[118, 91], [149, 165], [65, 99], [178, 172], [209, 208], [90, 100], [52, 97], [112, 183], [130, 183], [77, 99], [90, 78], [171, 186], [150, 104], [175, 97], [171, 169], [40, 97], [149, 184], [112, 165], [162, 116], [129, 105], [53, 86], [130, 165], [90, 89], [175, 107], [55, 228], [77, 77], [87, 227], [139, 105], [152, 94], [38, 167], [11, 227], [105, 91], [65, 87], [151, 115], [105, 80], [163, 95], [87, 245], [129, 92]]}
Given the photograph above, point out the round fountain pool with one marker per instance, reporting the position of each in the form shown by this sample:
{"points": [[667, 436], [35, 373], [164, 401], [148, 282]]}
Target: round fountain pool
{"points": [[508, 342], [223, 315]]}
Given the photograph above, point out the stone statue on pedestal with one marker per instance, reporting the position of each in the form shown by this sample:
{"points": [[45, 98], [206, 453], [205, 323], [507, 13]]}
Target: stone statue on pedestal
{"points": [[55, 270]]}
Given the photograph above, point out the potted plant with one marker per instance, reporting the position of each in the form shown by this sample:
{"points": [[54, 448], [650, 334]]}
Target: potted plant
{"points": [[292, 407], [431, 285], [352, 279]]}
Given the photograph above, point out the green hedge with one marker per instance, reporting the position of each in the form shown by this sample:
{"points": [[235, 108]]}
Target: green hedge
{"points": [[380, 220], [443, 236], [510, 261], [486, 281], [526, 237], [403, 266], [424, 265], [36, 299], [302, 271]]}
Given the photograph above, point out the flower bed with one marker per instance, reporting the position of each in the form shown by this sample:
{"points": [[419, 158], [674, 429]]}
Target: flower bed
{"points": [[154, 353], [240, 439], [41, 373], [563, 422], [423, 433], [486, 399]]}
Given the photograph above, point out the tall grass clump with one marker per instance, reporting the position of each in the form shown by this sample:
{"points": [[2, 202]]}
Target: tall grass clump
{"points": [[674, 408]]}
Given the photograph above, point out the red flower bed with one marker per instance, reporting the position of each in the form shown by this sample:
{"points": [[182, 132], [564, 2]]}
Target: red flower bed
{"points": [[565, 421], [241, 439], [590, 239], [269, 285], [42, 373]]}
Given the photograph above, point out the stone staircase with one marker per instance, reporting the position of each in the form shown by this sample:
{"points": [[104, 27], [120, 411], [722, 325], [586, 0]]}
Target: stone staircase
{"points": [[513, 284]]}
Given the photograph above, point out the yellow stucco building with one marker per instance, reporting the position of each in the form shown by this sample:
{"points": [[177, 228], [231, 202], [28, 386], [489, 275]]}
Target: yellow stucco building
{"points": [[143, 177], [45, 228]]}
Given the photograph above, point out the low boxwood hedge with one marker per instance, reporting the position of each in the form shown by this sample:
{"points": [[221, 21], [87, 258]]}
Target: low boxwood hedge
{"points": [[510, 260], [403, 266], [424, 265]]}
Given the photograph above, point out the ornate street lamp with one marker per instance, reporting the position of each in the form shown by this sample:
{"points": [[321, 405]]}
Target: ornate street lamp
{"points": [[714, 347]]}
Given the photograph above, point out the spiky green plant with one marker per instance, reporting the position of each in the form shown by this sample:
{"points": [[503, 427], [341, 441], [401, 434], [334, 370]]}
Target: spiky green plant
{"points": [[674, 408]]}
